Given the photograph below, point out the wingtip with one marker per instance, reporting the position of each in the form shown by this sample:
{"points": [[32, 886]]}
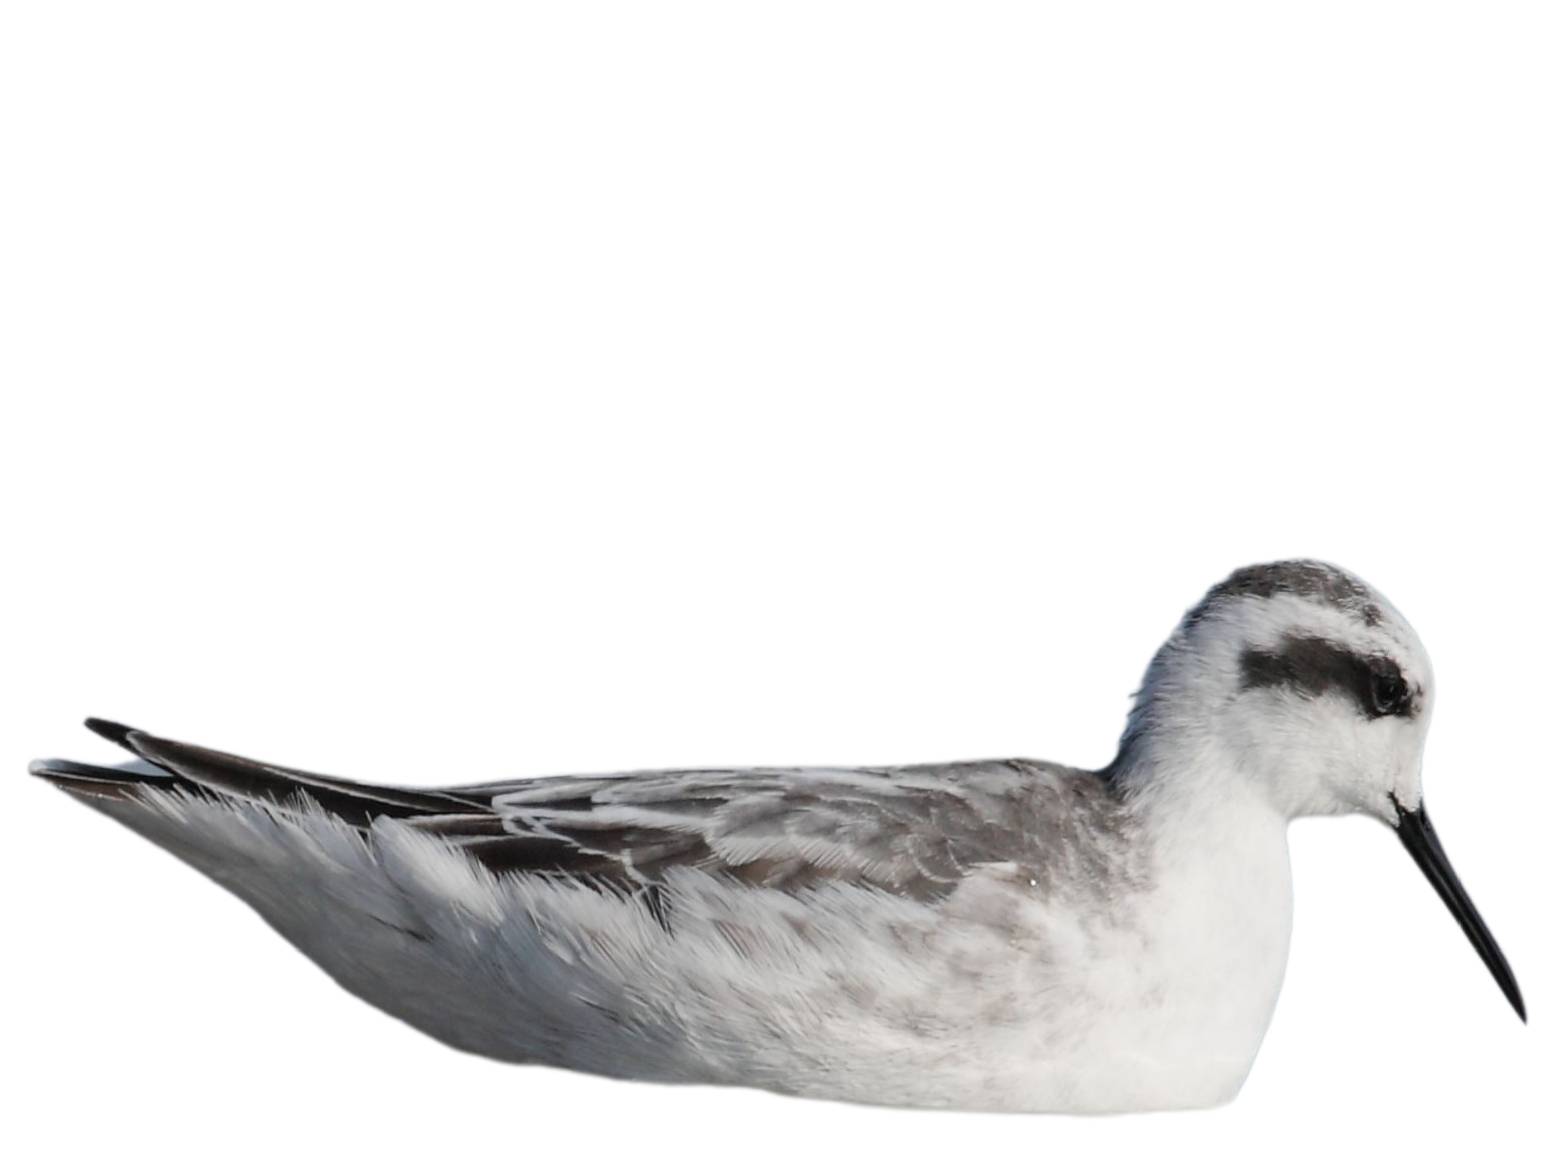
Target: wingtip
{"points": [[85, 780], [44, 768], [111, 731]]}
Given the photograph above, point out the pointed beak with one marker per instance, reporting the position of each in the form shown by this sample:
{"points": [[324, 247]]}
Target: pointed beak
{"points": [[1416, 833]]}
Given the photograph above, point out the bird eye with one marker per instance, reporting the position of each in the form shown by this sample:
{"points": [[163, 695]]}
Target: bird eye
{"points": [[1391, 695]]}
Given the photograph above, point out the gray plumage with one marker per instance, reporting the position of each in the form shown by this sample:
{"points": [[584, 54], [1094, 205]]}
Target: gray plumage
{"points": [[913, 831]]}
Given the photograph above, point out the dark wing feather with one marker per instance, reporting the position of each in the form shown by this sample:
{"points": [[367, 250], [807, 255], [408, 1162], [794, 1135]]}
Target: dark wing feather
{"points": [[203, 770]]}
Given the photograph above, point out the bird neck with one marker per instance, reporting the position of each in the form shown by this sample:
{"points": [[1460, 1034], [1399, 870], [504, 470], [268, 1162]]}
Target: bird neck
{"points": [[1186, 788]]}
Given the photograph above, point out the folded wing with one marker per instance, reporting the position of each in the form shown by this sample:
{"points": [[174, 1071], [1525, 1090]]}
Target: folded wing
{"points": [[914, 831]]}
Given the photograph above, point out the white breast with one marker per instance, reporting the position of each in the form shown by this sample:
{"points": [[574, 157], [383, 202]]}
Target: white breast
{"points": [[1190, 988]]}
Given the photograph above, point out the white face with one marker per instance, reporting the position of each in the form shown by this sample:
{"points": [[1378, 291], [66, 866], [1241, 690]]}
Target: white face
{"points": [[1331, 713], [1322, 694]]}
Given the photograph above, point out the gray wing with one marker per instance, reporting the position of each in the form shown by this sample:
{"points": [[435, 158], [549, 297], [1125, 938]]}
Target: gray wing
{"points": [[915, 831]]}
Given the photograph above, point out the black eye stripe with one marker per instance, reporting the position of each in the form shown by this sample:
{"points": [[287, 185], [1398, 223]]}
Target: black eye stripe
{"points": [[1316, 666]]}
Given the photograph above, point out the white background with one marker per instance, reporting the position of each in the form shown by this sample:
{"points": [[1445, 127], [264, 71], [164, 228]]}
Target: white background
{"points": [[438, 392]]}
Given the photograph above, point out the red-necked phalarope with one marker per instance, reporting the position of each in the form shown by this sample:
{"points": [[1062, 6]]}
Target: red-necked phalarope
{"points": [[1008, 934]]}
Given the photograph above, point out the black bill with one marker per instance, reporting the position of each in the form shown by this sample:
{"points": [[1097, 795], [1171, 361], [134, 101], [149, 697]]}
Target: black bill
{"points": [[1416, 833]]}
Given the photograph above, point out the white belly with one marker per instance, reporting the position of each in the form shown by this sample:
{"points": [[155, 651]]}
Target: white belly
{"points": [[998, 998]]}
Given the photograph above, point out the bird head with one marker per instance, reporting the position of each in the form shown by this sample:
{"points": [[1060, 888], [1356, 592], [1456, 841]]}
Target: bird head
{"points": [[1302, 681]]}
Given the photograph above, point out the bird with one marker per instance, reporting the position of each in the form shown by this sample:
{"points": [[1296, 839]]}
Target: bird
{"points": [[1010, 935]]}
